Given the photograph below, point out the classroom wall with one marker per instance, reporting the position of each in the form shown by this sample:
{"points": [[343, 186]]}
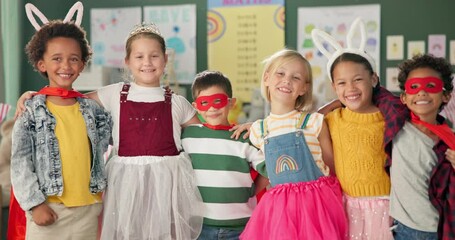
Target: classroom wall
{"points": [[57, 9], [414, 19]]}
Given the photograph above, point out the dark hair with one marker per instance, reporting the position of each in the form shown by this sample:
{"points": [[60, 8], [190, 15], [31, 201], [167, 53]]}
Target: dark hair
{"points": [[149, 35], [351, 57], [206, 79], [440, 65], [36, 47]]}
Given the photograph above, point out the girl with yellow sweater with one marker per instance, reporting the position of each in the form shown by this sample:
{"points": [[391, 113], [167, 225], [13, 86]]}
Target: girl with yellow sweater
{"points": [[357, 132]]}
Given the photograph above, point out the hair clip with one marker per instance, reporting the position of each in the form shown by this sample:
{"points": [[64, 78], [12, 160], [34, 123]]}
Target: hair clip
{"points": [[30, 9], [145, 28], [358, 24]]}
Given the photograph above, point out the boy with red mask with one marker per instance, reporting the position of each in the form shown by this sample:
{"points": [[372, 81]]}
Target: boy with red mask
{"points": [[222, 165], [423, 154]]}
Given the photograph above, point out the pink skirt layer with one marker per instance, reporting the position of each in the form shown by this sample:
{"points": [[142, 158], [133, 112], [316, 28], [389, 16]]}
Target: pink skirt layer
{"points": [[306, 210], [368, 218]]}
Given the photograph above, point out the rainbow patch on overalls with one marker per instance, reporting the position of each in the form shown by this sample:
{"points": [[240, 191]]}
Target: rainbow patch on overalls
{"points": [[285, 163]]}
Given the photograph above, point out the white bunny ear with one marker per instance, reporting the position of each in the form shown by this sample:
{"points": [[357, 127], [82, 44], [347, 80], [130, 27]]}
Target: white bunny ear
{"points": [[316, 34], [76, 7], [357, 25], [30, 9]]}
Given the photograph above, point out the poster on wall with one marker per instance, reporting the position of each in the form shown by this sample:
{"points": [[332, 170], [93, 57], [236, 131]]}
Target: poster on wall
{"points": [[177, 24], [241, 34], [336, 21], [109, 28]]}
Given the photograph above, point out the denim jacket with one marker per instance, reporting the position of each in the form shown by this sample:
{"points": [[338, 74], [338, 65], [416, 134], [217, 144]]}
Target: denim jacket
{"points": [[36, 167]]}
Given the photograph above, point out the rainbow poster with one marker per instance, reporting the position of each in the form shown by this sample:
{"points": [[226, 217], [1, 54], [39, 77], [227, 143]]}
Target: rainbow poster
{"points": [[240, 35]]}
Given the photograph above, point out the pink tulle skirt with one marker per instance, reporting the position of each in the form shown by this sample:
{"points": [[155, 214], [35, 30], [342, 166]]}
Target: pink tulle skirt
{"points": [[368, 218], [306, 210]]}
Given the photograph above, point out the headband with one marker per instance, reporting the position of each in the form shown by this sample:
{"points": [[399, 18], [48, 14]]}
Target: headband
{"points": [[317, 34], [30, 9]]}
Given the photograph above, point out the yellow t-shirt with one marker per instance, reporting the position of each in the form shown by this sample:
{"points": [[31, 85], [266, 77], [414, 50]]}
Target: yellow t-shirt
{"points": [[75, 153], [358, 150]]}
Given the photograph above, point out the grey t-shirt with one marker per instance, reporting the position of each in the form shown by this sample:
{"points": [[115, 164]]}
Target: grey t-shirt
{"points": [[412, 164]]}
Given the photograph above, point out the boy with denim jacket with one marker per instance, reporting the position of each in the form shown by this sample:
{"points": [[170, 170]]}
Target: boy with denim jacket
{"points": [[57, 166]]}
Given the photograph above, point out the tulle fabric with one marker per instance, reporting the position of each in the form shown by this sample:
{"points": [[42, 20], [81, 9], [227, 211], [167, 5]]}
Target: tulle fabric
{"points": [[368, 218], [306, 210], [151, 198]]}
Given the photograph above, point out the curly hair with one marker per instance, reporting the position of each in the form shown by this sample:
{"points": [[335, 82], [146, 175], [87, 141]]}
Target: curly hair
{"points": [[440, 65], [36, 47]]}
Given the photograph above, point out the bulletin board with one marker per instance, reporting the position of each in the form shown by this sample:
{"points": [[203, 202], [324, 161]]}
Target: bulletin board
{"points": [[57, 9], [413, 20]]}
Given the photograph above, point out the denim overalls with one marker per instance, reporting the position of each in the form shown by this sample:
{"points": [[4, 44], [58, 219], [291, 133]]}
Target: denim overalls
{"points": [[303, 203], [288, 158]]}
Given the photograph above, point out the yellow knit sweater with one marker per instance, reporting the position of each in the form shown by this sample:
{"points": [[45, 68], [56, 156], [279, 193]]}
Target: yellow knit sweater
{"points": [[359, 152]]}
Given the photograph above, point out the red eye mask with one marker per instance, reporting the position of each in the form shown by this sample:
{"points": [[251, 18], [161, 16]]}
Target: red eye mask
{"points": [[428, 84], [217, 101]]}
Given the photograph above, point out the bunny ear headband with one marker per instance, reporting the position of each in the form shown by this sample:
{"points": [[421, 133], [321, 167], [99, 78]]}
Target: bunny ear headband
{"points": [[317, 35], [30, 9]]}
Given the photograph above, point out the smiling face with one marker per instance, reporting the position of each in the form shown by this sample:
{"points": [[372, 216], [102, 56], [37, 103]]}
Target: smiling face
{"points": [[62, 61], [146, 61], [285, 85], [216, 114], [423, 103], [353, 84]]}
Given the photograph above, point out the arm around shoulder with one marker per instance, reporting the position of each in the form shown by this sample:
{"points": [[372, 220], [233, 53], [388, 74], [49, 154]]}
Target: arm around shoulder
{"points": [[326, 147]]}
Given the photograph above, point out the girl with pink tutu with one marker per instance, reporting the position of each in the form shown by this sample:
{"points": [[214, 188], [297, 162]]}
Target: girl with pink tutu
{"points": [[304, 201]]}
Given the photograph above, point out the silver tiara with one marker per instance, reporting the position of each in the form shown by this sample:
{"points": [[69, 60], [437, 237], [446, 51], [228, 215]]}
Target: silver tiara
{"points": [[145, 28]]}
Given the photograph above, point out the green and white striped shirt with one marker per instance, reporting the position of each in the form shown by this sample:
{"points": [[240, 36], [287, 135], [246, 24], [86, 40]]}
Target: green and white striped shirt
{"points": [[222, 167]]}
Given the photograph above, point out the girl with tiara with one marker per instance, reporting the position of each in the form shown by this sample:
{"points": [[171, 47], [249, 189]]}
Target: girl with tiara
{"points": [[152, 192]]}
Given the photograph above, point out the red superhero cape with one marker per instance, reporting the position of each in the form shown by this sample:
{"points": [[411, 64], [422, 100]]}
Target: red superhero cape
{"points": [[16, 220]]}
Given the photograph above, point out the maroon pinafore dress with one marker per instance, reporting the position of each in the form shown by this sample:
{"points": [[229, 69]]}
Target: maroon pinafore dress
{"points": [[152, 192]]}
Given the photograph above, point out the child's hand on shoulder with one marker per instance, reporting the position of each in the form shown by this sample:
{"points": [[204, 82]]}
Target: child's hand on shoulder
{"points": [[20, 105], [43, 215], [239, 129], [450, 155]]}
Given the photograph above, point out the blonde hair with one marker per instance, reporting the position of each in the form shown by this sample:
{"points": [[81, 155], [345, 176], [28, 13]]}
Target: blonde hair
{"points": [[272, 63]]}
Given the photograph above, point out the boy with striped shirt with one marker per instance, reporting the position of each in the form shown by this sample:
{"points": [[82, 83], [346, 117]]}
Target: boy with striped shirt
{"points": [[222, 165]]}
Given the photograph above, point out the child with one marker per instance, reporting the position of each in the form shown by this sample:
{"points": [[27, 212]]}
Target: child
{"points": [[152, 191], [57, 167], [222, 165], [357, 132], [418, 165], [304, 201]]}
